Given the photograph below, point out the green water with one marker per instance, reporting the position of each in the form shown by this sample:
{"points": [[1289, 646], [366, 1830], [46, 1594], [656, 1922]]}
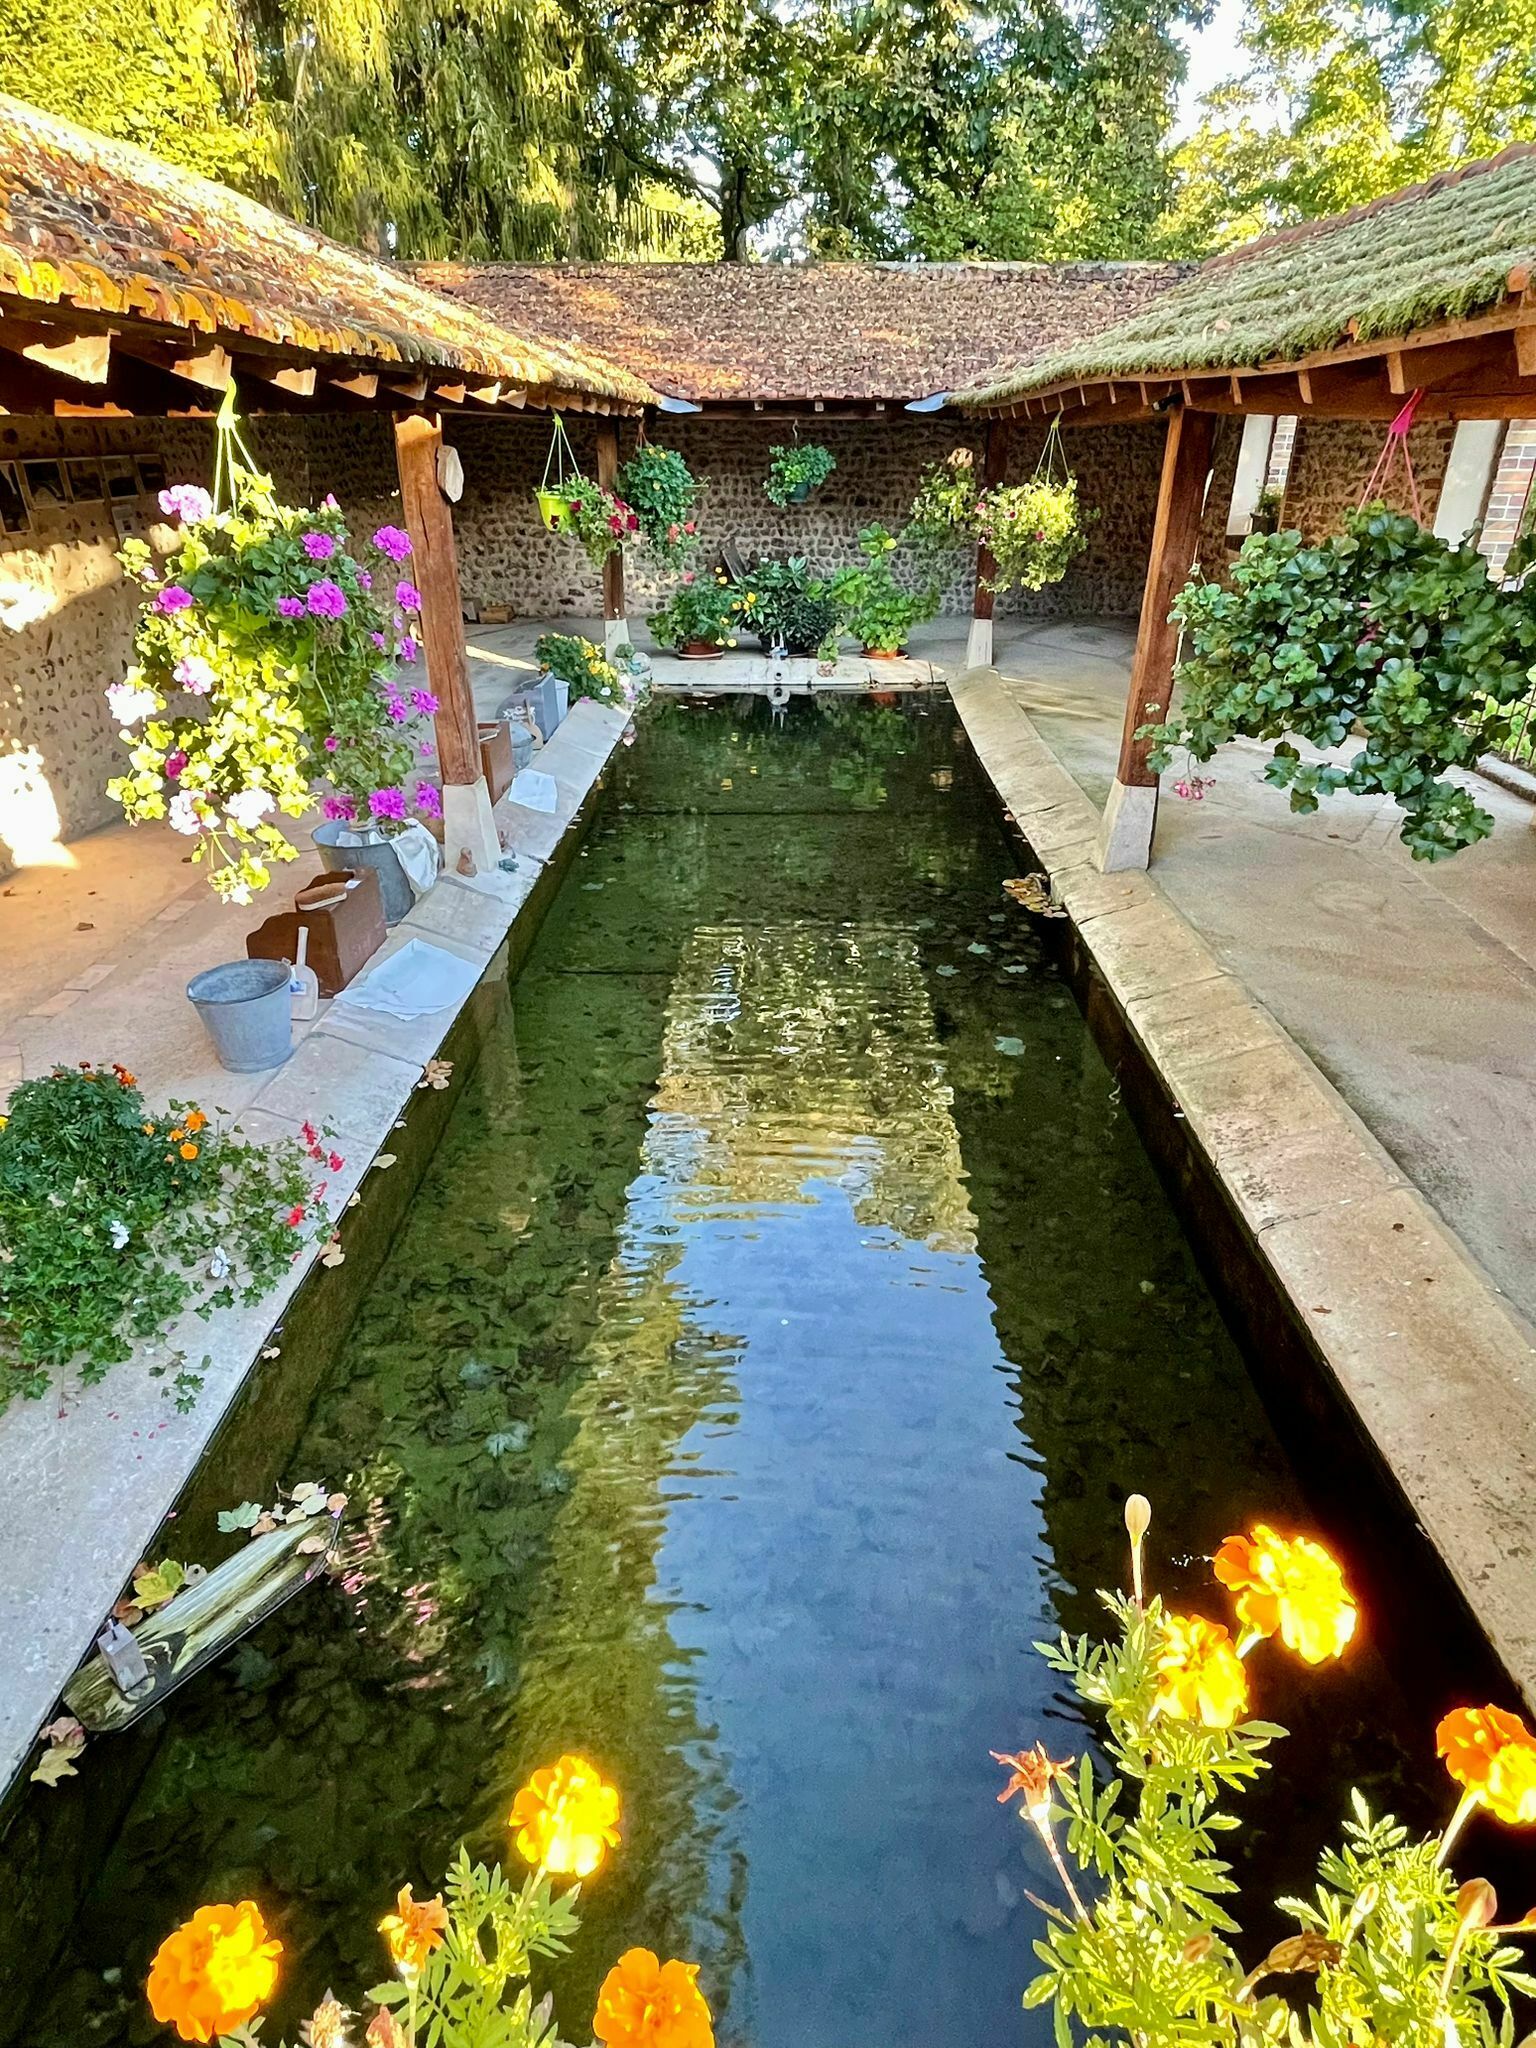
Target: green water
{"points": [[761, 1369]]}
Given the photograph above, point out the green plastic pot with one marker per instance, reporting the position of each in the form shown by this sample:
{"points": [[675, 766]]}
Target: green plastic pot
{"points": [[554, 508]]}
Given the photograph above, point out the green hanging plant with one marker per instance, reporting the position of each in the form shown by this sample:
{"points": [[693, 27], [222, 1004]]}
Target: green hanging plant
{"points": [[600, 520], [1384, 632], [661, 490], [943, 516], [797, 470], [1034, 531]]}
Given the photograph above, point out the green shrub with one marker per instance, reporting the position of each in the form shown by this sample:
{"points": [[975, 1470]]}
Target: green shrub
{"points": [[110, 1214], [794, 472], [785, 606], [581, 665], [703, 611], [872, 605]]}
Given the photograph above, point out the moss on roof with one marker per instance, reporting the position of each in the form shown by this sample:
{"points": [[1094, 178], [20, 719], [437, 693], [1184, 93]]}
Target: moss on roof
{"points": [[107, 228], [1433, 252]]}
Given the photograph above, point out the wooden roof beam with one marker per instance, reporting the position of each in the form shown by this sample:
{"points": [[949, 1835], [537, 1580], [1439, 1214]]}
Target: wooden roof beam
{"points": [[84, 358], [209, 368]]}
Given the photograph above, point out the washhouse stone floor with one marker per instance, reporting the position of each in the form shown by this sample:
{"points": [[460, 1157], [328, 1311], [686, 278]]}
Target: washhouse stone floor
{"points": [[1412, 986]]}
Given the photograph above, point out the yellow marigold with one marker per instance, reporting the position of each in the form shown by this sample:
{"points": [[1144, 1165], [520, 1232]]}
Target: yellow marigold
{"points": [[189, 1151], [414, 1929], [148, 1130], [1491, 1754], [649, 2004], [176, 1134], [215, 1972], [1200, 1676], [566, 1818], [1289, 1585]]}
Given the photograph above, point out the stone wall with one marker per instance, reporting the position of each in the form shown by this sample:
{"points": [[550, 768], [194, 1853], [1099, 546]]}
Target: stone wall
{"points": [[66, 614], [506, 557], [1332, 462]]}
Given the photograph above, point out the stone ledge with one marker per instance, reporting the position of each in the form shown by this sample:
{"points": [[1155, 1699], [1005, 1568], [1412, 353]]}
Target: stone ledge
{"points": [[1417, 1340], [88, 1474]]}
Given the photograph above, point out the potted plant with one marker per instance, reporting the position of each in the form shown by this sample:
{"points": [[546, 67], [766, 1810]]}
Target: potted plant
{"points": [[110, 1214], [875, 607], [699, 619], [1383, 631], [794, 472], [1033, 531], [600, 520], [581, 667], [264, 663], [788, 608], [660, 489], [562, 478], [943, 515]]}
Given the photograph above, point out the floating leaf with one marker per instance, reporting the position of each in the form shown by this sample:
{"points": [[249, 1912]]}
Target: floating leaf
{"points": [[385, 1159], [161, 1582], [333, 1255], [1011, 1046], [504, 1440], [246, 1516], [66, 1730], [57, 1763], [310, 1546], [304, 1489]]}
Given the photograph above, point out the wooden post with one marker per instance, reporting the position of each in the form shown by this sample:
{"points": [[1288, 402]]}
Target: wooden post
{"points": [[615, 623], [994, 464], [469, 830], [1125, 836]]}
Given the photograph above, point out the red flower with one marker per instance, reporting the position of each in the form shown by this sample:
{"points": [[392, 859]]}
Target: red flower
{"points": [[335, 1162], [308, 1133], [615, 523], [295, 1215], [690, 526]]}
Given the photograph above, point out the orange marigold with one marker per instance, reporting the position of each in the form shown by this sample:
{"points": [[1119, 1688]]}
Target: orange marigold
{"points": [[196, 1120], [1288, 1585], [189, 1151], [649, 2004], [566, 1818], [215, 1972], [1492, 1754], [414, 1929], [1200, 1676]]}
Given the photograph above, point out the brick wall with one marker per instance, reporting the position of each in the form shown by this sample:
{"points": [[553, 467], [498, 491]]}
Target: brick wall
{"points": [[1507, 496]]}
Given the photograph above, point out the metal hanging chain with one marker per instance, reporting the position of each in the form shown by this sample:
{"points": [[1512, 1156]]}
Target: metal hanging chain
{"points": [[1396, 450], [232, 458], [1052, 456], [559, 446]]}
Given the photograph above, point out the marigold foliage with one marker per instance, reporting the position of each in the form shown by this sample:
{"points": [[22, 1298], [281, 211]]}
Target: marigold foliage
{"points": [[1382, 632], [1385, 1955]]}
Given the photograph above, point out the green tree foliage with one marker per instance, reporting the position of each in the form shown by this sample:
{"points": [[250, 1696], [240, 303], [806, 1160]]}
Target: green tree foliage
{"points": [[656, 128], [174, 76], [1343, 101]]}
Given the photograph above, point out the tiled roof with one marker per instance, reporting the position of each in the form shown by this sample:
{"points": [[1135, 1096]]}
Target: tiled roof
{"points": [[1456, 245], [105, 228], [784, 331]]}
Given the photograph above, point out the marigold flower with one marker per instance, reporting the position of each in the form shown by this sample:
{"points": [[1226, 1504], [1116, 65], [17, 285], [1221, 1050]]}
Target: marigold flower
{"points": [[189, 1151], [566, 1818], [414, 1929], [176, 1134], [645, 2003], [148, 1130], [215, 1972], [196, 1120], [1200, 1676], [1491, 1754], [1288, 1585]]}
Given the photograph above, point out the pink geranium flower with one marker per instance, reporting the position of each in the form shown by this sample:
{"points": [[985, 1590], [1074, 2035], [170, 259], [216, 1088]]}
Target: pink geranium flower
{"points": [[319, 546], [174, 599], [327, 600], [393, 541]]}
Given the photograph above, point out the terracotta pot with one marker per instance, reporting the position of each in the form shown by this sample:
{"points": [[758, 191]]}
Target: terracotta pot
{"points": [[698, 650], [885, 654]]}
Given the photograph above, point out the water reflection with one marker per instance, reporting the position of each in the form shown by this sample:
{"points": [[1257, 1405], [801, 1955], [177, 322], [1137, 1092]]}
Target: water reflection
{"points": [[759, 1372]]}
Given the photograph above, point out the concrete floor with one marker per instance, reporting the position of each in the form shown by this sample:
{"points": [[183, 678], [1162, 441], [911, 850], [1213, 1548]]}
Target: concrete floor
{"points": [[1413, 987]]}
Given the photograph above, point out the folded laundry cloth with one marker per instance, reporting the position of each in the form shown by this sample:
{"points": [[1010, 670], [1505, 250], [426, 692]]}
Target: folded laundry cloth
{"points": [[414, 982]]}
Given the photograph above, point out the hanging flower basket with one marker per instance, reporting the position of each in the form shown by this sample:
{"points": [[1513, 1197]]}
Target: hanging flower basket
{"points": [[1034, 531], [554, 508], [562, 479], [797, 470]]}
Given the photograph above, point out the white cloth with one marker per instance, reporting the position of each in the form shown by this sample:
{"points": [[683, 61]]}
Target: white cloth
{"points": [[414, 982], [415, 849], [535, 790]]}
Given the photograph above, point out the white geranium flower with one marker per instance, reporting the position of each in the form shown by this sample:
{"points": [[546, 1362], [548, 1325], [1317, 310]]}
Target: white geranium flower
{"points": [[119, 1234], [248, 807], [182, 812], [128, 704]]}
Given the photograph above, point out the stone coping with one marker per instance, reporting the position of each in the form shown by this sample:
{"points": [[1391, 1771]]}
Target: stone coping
{"points": [[1435, 1363], [88, 1474], [743, 670]]}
